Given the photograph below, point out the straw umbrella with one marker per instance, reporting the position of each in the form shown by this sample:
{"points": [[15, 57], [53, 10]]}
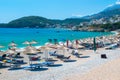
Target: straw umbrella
{"points": [[46, 49], [46, 52], [10, 51], [30, 50], [12, 44], [62, 48], [33, 42], [26, 42], [1, 52]]}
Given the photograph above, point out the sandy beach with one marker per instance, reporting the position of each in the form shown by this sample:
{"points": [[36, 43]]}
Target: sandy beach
{"points": [[107, 71], [60, 40], [89, 67]]}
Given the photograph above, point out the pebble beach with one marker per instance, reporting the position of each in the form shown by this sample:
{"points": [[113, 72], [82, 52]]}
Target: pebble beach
{"points": [[89, 67]]}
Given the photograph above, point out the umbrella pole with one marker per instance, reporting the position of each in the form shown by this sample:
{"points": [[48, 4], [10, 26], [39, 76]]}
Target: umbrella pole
{"points": [[94, 45]]}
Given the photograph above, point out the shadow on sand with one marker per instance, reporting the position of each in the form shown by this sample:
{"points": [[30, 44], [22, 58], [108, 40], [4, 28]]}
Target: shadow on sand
{"points": [[4, 67], [39, 69], [70, 60], [84, 56], [15, 68], [55, 65]]}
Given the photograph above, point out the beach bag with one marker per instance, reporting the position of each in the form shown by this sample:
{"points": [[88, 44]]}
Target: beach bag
{"points": [[103, 56]]}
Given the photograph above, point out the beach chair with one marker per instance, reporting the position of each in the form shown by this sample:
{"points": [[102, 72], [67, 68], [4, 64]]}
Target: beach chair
{"points": [[15, 66], [36, 66], [48, 63], [3, 57], [34, 58], [75, 54], [62, 57], [1, 64], [53, 53], [67, 59]]}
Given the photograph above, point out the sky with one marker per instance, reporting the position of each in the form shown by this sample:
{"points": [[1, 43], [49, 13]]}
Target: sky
{"points": [[52, 9]]}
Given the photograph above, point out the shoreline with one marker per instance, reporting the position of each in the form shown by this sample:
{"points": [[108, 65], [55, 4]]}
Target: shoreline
{"points": [[111, 33], [69, 71]]}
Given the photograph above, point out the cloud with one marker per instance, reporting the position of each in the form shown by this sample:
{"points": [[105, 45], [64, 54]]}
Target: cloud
{"points": [[118, 2], [110, 5], [77, 15]]}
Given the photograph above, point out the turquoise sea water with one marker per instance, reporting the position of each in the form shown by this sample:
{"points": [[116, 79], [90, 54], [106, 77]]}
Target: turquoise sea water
{"points": [[41, 35]]}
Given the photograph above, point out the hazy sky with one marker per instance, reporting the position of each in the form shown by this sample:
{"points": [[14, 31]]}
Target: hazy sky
{"points": [[53, 9]]}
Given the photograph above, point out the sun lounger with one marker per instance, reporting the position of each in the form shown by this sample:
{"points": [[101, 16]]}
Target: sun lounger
{"points": [[18, 62], [48, 63], [62, 57], [15, 67], [34, 58], [53, 53], [37, 65], [75, 54], [1, 64], [3, 57]]}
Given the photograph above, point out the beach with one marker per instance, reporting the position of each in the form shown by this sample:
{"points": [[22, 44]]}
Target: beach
{"points": [[90, 68], [59, 40], [108, 71], [87, 65]]}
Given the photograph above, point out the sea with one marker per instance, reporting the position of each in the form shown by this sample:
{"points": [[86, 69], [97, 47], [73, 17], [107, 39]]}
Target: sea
{"points": [[20, 35]]}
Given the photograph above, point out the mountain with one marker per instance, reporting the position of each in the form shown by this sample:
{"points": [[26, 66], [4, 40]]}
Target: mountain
{"points": [[113, 6], [108, 12], [41, 22], [30, 21], [74, 21]]}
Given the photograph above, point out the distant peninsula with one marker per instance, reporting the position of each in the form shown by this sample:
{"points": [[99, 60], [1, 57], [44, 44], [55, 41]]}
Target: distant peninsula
{"points": [[41, 22]]}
